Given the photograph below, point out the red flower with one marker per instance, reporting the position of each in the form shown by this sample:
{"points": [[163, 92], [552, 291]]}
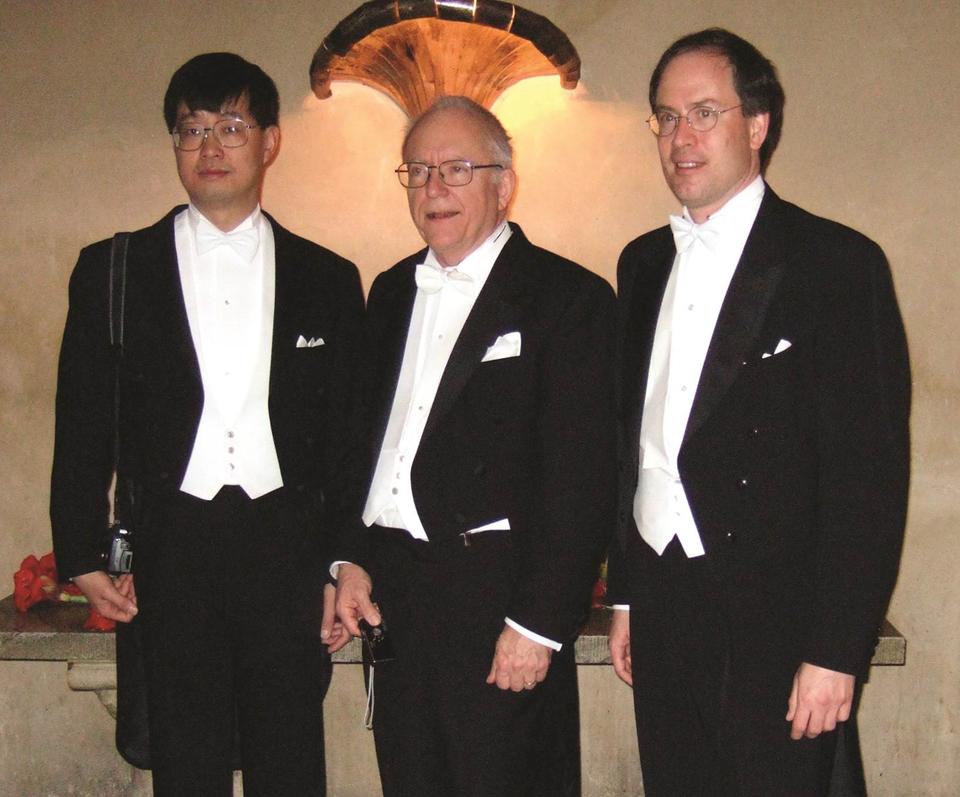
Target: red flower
{"points": [[35, 581], [48, 566], [97, 622], [599, 593]]}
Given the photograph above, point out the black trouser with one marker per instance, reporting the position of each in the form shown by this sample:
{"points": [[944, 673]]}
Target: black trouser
{"points": [[230, 592], [711, 699], [440, 729]]}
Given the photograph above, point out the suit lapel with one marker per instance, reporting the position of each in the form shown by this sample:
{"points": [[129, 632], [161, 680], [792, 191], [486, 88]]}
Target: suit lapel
{"points": [[641, 302], [497, 308], [386, 328], [163, 297], [744, 308], [285, 317]]}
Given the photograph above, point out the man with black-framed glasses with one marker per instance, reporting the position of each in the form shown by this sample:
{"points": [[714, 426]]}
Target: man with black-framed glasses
{"points": [[238, 347], [764, 419], [489, 480]]}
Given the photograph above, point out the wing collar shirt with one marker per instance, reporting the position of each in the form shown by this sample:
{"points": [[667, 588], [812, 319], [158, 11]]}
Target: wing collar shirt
{"points": [[228, 282], [440, 310], [707, 256]]}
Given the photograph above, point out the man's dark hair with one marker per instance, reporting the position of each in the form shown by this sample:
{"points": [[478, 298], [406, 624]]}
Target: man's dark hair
{"points": [[206, 82], [754, 78]]}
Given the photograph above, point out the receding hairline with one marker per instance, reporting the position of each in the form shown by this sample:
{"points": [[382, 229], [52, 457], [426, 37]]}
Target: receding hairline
{"points": [[710, 51], [491, 131]]}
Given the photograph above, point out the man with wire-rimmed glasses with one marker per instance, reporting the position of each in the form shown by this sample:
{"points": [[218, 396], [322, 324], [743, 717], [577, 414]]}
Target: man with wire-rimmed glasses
{"points": [[765, 409], [489, 480], [238, 344]]}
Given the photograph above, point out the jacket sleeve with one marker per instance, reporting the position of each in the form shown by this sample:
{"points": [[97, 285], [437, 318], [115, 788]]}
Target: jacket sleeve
{"points": [[83, 438], [863, 445], [576, 499]]}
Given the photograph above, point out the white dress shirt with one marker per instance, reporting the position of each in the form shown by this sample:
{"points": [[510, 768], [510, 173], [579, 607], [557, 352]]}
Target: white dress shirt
{"points": [[694, 293], [228, 291]]}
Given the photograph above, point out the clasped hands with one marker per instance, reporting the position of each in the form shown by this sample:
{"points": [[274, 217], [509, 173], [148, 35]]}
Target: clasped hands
{"points": [[518, 663]]}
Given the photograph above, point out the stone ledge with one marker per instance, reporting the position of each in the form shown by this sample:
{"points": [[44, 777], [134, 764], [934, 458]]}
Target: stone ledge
{"points": [[50, 632]]}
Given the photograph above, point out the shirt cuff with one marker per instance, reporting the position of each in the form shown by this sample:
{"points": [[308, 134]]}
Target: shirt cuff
{"points": [[535, 637], [335, 567], [621, 607]]}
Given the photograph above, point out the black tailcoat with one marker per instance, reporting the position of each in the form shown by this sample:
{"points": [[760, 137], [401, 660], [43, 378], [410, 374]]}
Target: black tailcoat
{"points": [[795, 465], [228, 590], [528, 438]]}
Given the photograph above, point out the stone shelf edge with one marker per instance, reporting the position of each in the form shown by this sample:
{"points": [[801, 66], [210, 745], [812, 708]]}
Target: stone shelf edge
{"points": [[55, 633]]}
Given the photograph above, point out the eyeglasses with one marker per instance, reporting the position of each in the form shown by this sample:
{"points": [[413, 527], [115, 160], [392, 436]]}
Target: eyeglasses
{"points": [[702, 118], [229, 132], [413, 174]]}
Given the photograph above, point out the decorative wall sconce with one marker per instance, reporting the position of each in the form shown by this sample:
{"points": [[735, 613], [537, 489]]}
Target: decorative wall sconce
{"points": [[416, 50]]}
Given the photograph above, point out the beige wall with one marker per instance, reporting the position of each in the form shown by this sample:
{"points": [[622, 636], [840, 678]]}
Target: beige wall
{"points": [[870, 139]]}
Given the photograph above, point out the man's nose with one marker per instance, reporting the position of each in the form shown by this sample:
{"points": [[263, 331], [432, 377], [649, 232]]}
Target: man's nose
{"points": [[210, 147], [435, 186], [684, 134]]}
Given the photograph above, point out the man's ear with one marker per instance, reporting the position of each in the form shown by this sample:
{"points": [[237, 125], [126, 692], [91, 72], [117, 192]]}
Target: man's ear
{"points": [[758, 126], [271, 144], [505, 187]]}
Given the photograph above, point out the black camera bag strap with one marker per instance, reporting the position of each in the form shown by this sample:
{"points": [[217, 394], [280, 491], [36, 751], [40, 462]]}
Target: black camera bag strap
{"points": [[118, 294], [132, 734]]}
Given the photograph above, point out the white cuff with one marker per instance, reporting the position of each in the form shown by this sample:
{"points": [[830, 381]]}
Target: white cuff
{"points": [[535, 637], [335, 568]]}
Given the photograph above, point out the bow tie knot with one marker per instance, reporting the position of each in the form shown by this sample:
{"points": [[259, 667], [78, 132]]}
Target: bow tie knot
{"points": [[431, 279], [686, 233], [243, 242]]}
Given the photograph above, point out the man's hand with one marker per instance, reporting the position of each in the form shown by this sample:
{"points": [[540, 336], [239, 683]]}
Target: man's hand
{"points": [[114, 599], [353, 599], [332, 631], [820, 698], [518, 662], [619, 641]]}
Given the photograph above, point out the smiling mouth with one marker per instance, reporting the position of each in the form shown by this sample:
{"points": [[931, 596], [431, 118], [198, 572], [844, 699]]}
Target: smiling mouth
{"points": [[441, 215]]}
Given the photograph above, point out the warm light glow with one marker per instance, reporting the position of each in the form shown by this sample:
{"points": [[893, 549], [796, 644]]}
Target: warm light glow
{"points": [[535, 97], [582, 165], [589, 177]]}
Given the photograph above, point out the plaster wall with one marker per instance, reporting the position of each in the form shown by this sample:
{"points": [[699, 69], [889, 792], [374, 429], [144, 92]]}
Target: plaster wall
{"points": [[869, 140]]}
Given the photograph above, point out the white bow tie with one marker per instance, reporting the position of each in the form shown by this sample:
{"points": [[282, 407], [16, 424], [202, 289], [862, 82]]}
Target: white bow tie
{"points": [[686, 232], [431, 279], [243, 242]]}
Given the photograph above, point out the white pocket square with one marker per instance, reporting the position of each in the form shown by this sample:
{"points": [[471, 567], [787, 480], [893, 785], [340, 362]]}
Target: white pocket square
{"points": [[782, 346], [504, 346], [308, 343], [498, 525]]}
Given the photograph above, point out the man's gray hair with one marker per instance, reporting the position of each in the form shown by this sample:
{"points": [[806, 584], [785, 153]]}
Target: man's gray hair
{"points": [[494, 133]]}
